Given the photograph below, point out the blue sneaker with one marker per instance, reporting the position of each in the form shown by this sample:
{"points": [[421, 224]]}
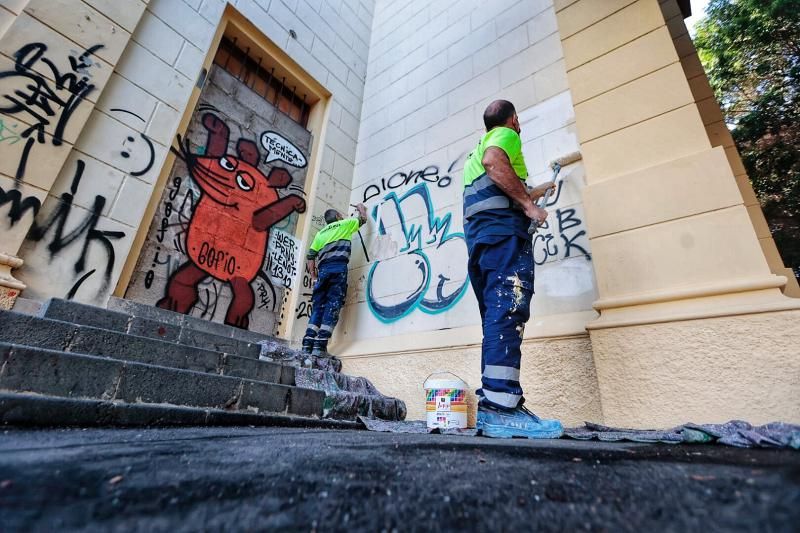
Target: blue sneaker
{"points": [[518, 422]]}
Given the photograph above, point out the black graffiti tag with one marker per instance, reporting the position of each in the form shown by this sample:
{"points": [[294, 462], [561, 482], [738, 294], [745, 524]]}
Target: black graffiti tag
{"points": [[568, 220], [19, 205], [546, 246], [429, 174], [86, 230], [41, 102], [263, 296]]}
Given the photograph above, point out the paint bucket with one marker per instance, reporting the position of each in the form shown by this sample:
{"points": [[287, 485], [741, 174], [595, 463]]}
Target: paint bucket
{"points": [[445, 401]]}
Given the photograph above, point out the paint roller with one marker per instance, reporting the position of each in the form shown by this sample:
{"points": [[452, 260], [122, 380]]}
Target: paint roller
{"points": [[555, 165]]}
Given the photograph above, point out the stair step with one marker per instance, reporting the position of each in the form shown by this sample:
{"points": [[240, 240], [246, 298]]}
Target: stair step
{"points": [[157, 314], [346, 396], [71, 375], [29, 409], [160, 324], [50, 334], [172, 329]]}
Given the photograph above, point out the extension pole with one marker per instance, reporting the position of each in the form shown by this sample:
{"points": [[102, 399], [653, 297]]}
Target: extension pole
{"points": [[360, 238], [555, 165]]}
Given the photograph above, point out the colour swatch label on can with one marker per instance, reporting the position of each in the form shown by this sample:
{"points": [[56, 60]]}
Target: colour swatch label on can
{"points": [[446, 408]]}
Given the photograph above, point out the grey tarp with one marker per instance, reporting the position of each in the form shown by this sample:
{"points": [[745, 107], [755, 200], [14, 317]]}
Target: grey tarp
{"points": [[410, 426], [733, 433], [346, 397], [279, 352]]}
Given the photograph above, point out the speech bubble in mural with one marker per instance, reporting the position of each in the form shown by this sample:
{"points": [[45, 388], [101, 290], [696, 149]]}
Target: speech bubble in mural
{"points": [[279, 148]]}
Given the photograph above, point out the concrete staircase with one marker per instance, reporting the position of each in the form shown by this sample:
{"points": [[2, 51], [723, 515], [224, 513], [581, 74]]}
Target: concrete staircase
{"points": [[131, 364]]}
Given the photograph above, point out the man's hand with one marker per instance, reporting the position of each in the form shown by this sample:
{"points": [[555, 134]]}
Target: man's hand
{"points": [[536, 214], [362, 214], [540, 190], [311, 265]]}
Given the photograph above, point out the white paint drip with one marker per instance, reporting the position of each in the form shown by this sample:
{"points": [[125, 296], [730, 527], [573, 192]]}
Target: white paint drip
{"points": [[518, 296]]}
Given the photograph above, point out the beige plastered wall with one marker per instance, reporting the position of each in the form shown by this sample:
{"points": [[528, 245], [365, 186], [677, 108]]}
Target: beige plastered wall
{"points": [[557, 375], [693, 322], [704, 371]]}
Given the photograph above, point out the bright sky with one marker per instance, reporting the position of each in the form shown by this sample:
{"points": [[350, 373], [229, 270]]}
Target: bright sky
{"points": [[698, 10]]}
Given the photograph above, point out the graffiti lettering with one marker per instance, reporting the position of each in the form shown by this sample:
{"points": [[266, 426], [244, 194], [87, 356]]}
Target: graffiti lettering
{"points": [[284, 252], [303, 309], [281, 149], [568, 220], [37, 101], [161, 232], [59, 230], [19, 205], [417, 279], [219, 260], [429, 174], [545, 243], [318, 221], [86, 230], [8, 136], [263, 296]]}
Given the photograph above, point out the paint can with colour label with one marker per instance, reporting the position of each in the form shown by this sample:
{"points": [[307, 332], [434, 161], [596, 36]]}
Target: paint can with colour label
{"points": [[445, 401]]}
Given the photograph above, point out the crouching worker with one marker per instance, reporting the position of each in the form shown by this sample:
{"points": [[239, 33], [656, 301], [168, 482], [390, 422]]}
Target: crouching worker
{"points": [[498, 208], [327, 261]]}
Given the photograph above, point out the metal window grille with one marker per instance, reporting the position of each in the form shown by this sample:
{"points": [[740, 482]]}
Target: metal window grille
{"points": [[261, 79]]}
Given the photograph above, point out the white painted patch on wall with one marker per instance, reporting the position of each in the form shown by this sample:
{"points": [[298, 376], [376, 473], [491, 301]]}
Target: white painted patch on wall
{"points": [[570, 279]]}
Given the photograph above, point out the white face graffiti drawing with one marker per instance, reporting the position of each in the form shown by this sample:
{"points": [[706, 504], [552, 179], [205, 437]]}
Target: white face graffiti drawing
{"points": [[139, 148]]}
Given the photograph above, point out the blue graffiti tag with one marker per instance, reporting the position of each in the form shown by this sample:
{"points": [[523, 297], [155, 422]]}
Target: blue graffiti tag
{"points": [[418, 236]]}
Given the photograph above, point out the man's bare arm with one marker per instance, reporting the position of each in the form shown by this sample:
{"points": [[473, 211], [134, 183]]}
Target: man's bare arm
{"points": [[500, 171]]}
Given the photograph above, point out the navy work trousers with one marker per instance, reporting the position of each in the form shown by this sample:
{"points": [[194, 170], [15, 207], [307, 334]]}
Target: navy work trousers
{"points": [[327, 301], [501, 273]]}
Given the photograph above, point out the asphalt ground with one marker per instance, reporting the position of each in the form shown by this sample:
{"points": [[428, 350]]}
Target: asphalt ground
{"points": [[279, 479]]}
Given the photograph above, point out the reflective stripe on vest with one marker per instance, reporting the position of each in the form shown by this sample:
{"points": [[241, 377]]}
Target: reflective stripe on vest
{"points": [[340, 248], [483, 194]]}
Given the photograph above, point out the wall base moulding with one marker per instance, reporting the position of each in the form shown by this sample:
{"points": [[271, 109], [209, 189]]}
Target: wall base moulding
{"points": [[713, 306]]}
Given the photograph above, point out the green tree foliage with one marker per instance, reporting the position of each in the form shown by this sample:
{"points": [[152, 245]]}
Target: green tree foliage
{"points": [[751, 52]]}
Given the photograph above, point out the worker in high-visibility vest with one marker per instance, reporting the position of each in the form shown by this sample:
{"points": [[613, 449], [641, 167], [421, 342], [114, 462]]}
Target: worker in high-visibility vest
{"points": [[327, 260], [498, 208]]}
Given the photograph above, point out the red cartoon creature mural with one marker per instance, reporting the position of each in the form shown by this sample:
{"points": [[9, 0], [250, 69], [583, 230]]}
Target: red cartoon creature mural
{"points": [[229, 229]]}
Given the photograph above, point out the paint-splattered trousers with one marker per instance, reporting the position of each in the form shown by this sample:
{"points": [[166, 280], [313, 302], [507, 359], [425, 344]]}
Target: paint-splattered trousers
{"points": [[501, 273], [327, 300]]}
